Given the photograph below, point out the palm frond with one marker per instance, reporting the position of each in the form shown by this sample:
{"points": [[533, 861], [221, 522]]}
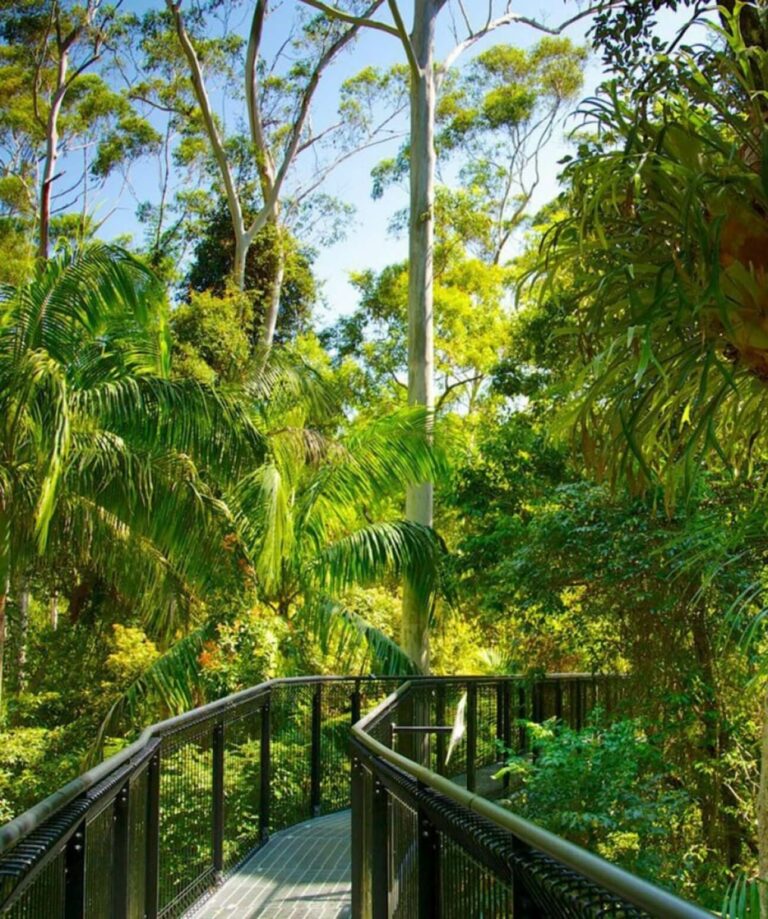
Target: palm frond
{"points": [[170, 685], [352, 641], [401, 548]]}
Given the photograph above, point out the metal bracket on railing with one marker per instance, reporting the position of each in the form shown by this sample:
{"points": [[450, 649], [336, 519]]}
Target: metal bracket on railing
{"points": [[422, 728]]}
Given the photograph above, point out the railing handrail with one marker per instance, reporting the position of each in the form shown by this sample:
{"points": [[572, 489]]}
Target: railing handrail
{"points": [[22, 825], [647, 896], [25, 823]]}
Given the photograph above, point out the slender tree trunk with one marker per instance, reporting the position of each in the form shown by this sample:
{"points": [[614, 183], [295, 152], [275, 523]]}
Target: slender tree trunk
{"points": [[273, 294], [51, 157], [242, 245], [21, 659], [762, 813], [419, 499]]}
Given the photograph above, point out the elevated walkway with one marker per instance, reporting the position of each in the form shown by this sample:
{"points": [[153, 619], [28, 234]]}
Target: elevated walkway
{"points": [[303, 872], [239, 788]]}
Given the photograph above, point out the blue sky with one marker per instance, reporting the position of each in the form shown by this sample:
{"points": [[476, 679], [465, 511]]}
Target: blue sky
{"points": [[368, 243]]}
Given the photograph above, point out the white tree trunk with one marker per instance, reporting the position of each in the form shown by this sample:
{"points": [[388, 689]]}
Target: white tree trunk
{"points": [[51, 156], [419, 499], [242, 245], [274, 293]]}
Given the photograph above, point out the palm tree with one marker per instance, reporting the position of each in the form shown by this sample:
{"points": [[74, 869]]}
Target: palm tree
{"points": [[316, 518], [104, 458], [162, 486]]}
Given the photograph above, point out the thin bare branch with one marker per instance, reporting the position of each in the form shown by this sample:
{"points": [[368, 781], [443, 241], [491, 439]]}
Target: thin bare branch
{"points": [[333, 12], [510, 18], [201, 93], [405, 38], [264, 162]]}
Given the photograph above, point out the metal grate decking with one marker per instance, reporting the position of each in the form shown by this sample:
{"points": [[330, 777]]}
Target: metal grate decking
{"points": [[301, 872]]}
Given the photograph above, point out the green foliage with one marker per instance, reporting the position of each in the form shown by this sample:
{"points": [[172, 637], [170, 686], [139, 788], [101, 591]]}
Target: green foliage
{"points": [[207, 520], [660, 259], [210, 336], [608, 788], [212, 263], [97, 439], [742, 899]]}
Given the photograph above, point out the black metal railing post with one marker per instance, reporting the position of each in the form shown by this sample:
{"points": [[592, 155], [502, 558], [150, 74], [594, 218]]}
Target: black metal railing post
{"points": [[121, 852], [380, 829], [357, 855], [471, 736], [74, 867], [559, 700], [499, 711], [354, 703], [522, 903], [430, 886], [440, 739], [218, 804], [537, 703], [522, 715], [265, 770], [576, 710], [152, 889], [315, 761], [506, 724]]}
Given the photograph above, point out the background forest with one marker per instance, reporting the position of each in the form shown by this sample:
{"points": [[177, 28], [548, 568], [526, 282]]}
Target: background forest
{"points": [[204, 467]]}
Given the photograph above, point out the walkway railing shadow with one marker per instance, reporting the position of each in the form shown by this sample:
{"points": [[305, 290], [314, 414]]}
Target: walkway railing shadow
{"points": [[154, 828]]}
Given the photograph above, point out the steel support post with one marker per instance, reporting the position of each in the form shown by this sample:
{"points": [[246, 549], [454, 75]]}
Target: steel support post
{"points": [[430, 886], [121, 852], [315, 803], [217, 811], [380, 830], [265, 772], [152, 888], [471, 736], [74, 867]]}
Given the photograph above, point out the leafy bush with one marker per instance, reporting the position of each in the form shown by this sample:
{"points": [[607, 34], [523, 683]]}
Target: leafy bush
{"points": [[609, 789]]}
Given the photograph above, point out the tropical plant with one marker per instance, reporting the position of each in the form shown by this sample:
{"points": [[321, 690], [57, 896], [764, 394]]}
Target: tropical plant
{"points": [[661, 268], [103, 455], [608, 788], [661, 263]]}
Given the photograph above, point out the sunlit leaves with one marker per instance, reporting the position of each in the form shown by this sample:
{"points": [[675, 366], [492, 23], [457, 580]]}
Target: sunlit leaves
{"points": [[665, 252]]}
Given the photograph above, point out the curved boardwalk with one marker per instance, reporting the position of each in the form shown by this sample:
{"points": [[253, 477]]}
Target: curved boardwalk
{"points": [[301, 872]]}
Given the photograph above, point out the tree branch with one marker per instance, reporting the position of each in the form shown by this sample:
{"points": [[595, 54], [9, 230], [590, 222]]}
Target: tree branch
{"points": [[405, 38], [451, 386], [264, 164], [201, 93], [307, 95], [333, 12], [515, 18]]}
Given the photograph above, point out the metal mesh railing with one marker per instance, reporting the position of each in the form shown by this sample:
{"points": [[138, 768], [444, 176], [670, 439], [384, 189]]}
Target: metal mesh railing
{"points": [[155, 828], [150, 831], [426, 845]]}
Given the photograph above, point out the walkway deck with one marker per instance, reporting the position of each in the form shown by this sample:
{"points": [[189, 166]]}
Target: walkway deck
{"points": [[302, 873]]}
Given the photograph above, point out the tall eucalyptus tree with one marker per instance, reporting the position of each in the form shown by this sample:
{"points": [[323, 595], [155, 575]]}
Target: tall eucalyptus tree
{"points": [[279, 89], [426, 75]]}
